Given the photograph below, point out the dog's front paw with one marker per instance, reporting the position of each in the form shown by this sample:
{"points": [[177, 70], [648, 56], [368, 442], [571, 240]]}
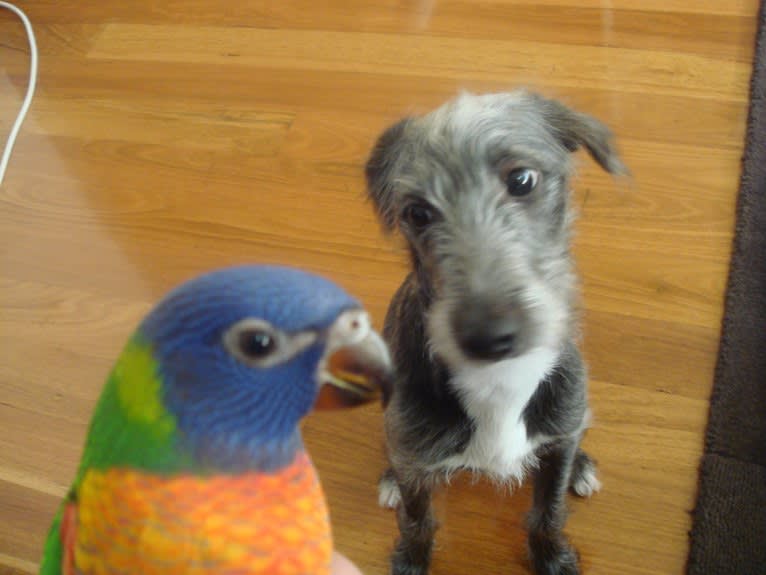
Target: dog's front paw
{"points": [[584, 481], [587, 483], [411, 558], [389, 495], [402, 565], [552, 556]]}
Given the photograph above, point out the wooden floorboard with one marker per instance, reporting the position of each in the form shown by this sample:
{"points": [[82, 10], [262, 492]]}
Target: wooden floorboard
{"points": [[168, 138]]}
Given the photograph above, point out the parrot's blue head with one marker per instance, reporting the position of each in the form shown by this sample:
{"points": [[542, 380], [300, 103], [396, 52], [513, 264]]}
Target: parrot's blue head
{"points": [[244, 353]]}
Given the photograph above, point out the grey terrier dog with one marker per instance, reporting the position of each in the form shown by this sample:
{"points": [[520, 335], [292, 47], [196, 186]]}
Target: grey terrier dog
{"points": [[483, 330]]}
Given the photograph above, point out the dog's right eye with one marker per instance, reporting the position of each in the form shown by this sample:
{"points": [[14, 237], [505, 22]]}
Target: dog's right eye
{"points": [[521, 181], [419, 216]]}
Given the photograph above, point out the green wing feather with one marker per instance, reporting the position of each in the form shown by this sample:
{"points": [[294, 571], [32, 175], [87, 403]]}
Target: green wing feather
{"points": [[54, 549], [130, 427]]}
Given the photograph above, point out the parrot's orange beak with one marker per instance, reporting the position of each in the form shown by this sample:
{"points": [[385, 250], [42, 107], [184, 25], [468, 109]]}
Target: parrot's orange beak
{"points": [[355, 372]]}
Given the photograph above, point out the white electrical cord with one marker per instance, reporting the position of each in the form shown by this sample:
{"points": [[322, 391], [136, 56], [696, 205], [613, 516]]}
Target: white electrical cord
{"points": [[30, 88]]}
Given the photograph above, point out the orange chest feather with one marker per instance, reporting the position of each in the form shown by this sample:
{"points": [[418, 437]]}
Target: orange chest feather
{"points": [[253, 523]]}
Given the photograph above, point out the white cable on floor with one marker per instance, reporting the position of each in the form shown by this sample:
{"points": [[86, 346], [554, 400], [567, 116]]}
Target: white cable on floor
{"points": [[30, 88]]}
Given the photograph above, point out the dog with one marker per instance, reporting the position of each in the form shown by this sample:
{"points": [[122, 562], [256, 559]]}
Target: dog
{"points": [[484, 329]]}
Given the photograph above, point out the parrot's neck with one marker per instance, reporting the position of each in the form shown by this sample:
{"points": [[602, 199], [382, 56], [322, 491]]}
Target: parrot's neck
{"points": [[232, 456]]}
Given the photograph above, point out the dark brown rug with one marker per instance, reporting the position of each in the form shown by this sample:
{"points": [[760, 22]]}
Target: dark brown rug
{"points": [[728, 535]]}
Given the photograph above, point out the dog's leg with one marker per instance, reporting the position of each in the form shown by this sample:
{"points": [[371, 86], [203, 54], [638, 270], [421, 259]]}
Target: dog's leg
{"points": [[412, 555], [583, 480], [550, 553]]}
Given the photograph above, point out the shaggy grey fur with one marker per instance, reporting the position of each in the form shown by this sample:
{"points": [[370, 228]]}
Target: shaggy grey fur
{"points": [[483, 329]]}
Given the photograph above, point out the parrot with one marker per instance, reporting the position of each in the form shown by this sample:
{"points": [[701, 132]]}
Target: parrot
{"points": [[194, 461]]}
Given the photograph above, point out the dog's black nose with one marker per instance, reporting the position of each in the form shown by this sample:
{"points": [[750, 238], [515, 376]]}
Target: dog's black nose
{"points": [[489, 345], [484, 334]]}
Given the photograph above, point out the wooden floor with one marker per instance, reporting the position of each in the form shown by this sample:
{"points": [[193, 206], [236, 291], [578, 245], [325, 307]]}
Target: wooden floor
{"points": [[170, 137]]}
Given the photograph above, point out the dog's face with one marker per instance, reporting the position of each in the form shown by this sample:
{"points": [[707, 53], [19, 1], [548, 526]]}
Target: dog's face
{"points": [[479, 189]]}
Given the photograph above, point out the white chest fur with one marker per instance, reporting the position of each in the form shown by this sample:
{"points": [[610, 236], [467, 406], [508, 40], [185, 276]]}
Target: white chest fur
{"points": [[494, 396]]}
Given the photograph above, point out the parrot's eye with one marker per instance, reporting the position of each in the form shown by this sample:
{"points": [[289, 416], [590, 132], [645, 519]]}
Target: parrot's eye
{"points": [[256, 343], [259, 344]]}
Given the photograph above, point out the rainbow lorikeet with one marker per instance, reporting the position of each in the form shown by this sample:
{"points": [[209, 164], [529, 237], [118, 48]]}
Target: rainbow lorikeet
{"points": [[194, 462]]}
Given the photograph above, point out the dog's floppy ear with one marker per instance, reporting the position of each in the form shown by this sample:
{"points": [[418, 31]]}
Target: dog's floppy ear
{"points": [[378, 171], [576, 129]]}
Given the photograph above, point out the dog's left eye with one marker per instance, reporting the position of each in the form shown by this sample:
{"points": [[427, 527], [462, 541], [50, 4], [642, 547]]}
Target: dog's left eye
{"points": [[419, 216], [521, 181]]}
